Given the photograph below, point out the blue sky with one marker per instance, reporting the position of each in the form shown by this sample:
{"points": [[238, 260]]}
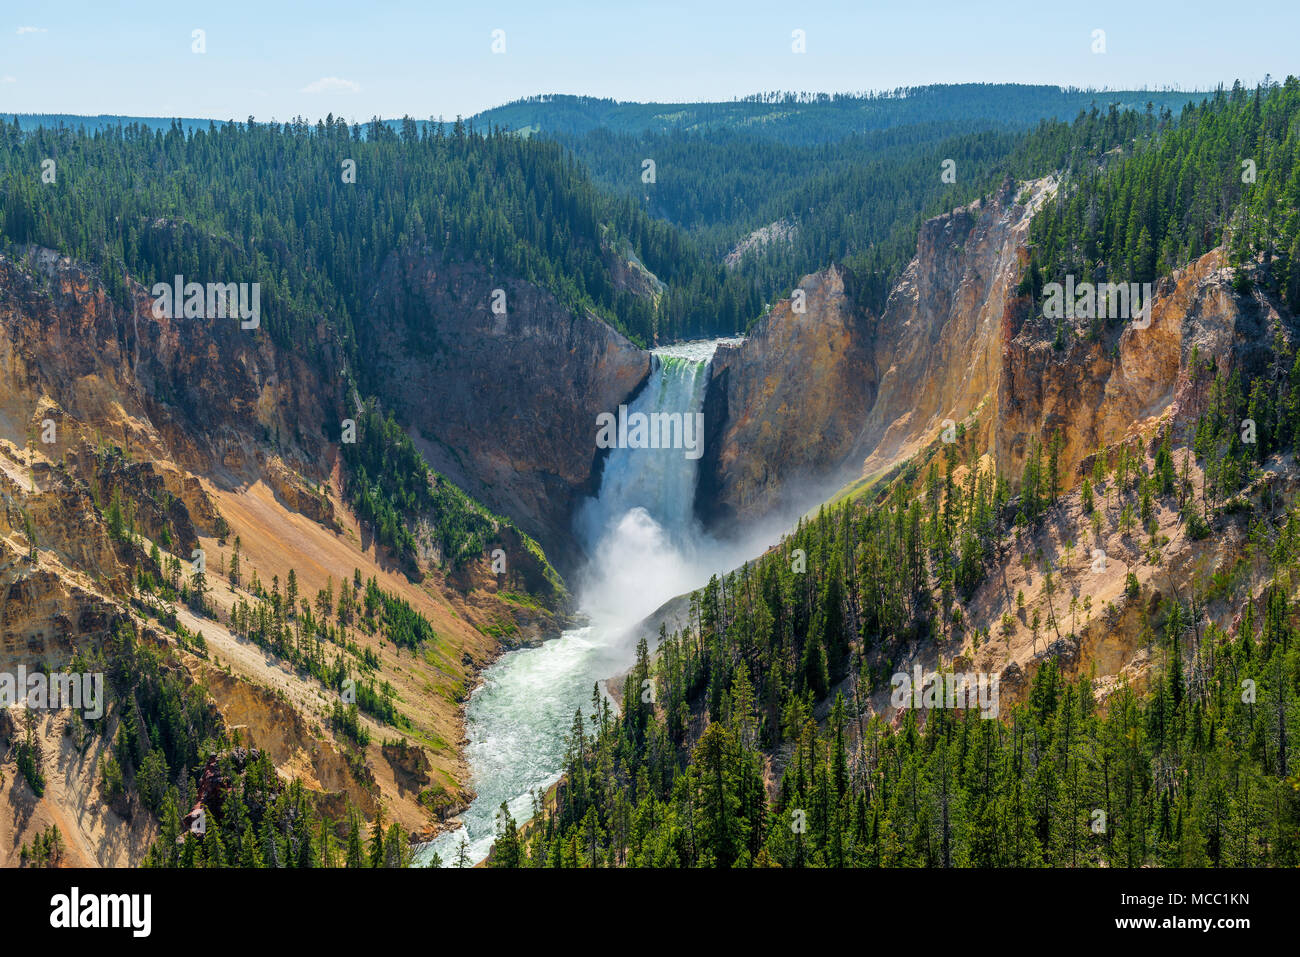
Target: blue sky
{"points": [[275, 59]]}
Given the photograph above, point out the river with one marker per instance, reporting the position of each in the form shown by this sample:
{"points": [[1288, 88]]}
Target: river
{"points": [[645, 547]]}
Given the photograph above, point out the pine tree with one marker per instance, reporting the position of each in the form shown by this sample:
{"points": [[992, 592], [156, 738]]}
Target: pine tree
{"points": [[507, 852]]}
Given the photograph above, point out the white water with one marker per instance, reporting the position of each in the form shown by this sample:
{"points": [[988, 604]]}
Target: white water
{"points": [[644, 547]]}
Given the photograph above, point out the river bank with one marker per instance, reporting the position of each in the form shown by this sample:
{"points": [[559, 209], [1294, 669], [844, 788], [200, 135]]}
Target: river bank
{"points": [[644, 547]]}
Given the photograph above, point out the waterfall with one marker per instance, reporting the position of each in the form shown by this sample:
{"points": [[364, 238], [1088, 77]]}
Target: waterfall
{"points": [[661, 481], [640, 532], [643, 547]]}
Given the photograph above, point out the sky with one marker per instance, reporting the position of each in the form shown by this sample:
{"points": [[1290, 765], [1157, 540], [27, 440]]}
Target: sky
{"points": [[277, 59]]}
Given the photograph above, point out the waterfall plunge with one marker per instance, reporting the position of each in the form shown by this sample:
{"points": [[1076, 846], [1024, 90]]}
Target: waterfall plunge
{"points": [[640, 532], [644, 546]]}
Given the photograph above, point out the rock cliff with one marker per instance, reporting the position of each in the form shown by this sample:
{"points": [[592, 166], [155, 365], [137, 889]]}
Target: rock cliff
{"points": [[819, 399], [121, 432], [1097, 391], [814, 399], [503, 404], [784, 409]]}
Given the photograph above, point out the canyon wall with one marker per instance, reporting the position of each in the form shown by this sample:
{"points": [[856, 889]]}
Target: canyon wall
{"points": [[1099, 391], [196, 393], [814, 401], [504, 405], [121, 431], [785, 408]]}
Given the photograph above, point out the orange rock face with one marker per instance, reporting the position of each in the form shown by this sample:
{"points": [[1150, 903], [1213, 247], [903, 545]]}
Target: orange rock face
{"points": [[815, 400]]}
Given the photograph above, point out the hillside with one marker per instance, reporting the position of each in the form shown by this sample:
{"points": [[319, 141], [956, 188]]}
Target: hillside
{"points": [[132, 444], [800, 118], [293, 541], [1091, 516]]}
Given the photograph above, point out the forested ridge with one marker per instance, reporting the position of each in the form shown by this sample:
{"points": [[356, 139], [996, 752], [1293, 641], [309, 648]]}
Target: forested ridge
{"points": [[1225, 173], [748, 740], [858, 200], [268, 203], [808, 118], [1200, 770]]}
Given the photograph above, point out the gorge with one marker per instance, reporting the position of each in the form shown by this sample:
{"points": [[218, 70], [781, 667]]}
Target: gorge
{"points": [[644, 546], [366, 565]]}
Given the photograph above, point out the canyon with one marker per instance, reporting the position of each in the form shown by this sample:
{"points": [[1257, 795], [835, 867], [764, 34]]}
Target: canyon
{"points": [[215, 437], [222, 435]]}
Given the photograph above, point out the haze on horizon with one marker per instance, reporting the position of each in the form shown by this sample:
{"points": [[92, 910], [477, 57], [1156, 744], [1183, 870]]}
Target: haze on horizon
{"points": [[437, 60]]}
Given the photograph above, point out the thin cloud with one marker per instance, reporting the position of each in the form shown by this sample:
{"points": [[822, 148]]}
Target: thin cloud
{"points": [[332, 84], [8, 79], [22, 30]]}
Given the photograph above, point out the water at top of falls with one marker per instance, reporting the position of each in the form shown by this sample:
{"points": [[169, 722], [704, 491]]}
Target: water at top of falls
{"points": [[644, 546], [697, 350]]}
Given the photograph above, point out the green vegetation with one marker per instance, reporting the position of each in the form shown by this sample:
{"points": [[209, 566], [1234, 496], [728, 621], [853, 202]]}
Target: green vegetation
{"points": [[262, 822], [346, 720], [28, 755], [776, 666], [391, 488], [302, 635], [404, 626], [857, 197], [805, 119], [45, 851], [1226, 172], [267, 203]]}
